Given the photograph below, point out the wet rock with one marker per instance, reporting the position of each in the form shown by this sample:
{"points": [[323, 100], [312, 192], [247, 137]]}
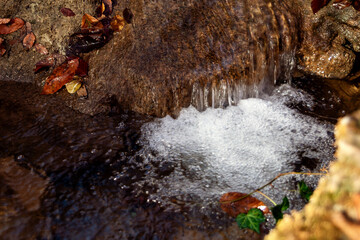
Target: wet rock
{"points": [[28, 186], [153, 65], [50, 27], [330, 40], [334, 207]]}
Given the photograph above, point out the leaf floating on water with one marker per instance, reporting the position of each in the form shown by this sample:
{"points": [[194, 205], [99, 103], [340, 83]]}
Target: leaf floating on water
{"points": [[29, 40], [60, 76], [278, 210], [251, 220], [12, 26], [117, 23], [41, 49], [316, 5], [304, 190], [67, 12], [234, 203], [73, 86], [128, 15]]}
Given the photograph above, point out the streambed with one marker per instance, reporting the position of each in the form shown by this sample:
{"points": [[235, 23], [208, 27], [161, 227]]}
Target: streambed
{"points": [[125, 176]]}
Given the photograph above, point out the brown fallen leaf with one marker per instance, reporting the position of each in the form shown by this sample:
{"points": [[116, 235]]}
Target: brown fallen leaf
{"points": [[60, 76], [45, 63], [117, 23], [232, 206], [67, 12], [28, 27], [128, 15], [14, 25], [4, 20], [82, 69], [89, 21], [82, 92], [100, 10], [29, 40], [108, 7], [41, 49], [2, 47]]}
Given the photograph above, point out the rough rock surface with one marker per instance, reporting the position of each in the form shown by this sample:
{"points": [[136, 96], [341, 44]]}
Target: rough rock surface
{"points": [[50, 27], [173, 54], [151, 66], [330, 40], [334, 209]]}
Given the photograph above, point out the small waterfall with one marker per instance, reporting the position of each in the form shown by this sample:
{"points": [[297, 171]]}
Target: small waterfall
{"points": [[253, 60]]}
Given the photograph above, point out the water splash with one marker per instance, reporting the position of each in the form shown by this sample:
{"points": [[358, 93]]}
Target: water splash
{"points": [[238, 148]]}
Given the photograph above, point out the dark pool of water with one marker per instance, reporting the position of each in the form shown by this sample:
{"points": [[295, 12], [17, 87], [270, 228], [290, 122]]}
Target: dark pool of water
{"points": [[84, 171]]}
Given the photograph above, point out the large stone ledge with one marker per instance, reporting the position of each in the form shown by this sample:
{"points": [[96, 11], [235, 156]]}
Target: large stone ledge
{"points": [[334, 209]]}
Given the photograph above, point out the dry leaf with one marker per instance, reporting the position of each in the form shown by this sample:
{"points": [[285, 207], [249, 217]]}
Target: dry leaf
{"points": [[234, 207], [128, 15], [2, 47], [82, 92], [100, 10], [29, 40], [89, 21], [108, 7], [117, 23], [45, 63], [4, 20], [41, 49], [67, 12], [14, 25], [60, 76], [28, 27], [73, 86]]}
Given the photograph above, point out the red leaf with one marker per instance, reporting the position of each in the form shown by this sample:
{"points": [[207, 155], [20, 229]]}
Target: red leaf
{"points": [[356, 5], [316, 5], [29, 40], [41, 49], [14, 25], [234, 207], [67, 12], [4, 20], [60, 76], [2, 47], [45, 63], [341, 4], [83, 67]]}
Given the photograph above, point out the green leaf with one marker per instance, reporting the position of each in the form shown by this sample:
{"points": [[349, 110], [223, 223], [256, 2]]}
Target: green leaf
{"points": [[304, 190], [278, 210], [251, 220]]}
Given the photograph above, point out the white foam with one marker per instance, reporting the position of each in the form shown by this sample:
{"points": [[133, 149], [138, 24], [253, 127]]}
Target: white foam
{"points": [[238, 148]]}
